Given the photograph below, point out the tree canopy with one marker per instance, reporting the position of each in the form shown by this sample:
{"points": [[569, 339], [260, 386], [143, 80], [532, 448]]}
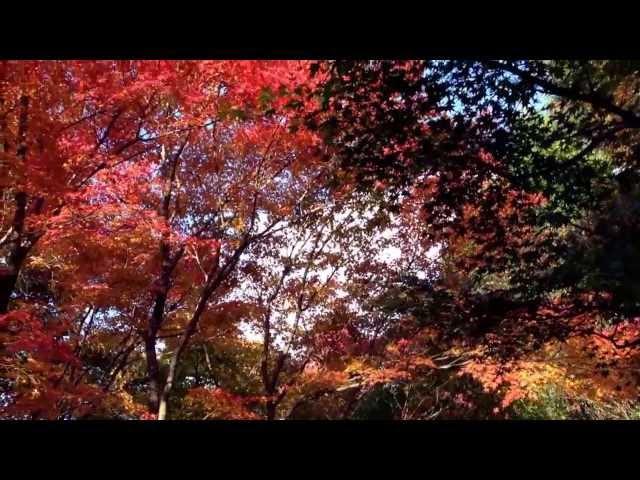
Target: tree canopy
{"points": [[319, 239]]}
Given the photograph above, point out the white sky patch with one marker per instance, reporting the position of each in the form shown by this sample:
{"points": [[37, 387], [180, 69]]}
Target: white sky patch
{"points": [[390, 254], [249, 333], [386, 239]]}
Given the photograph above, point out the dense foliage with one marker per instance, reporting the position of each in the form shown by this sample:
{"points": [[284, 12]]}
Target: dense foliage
{"points": [[319, 240]]}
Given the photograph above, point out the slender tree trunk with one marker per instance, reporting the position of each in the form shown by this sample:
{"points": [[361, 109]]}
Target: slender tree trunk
{"points": [[264, 366], [221, 275], [270, 379], [162, 286], [191, 327], [153, 371], [155, 322]]}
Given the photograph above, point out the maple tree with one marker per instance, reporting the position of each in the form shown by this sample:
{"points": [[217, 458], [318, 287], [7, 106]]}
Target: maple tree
{"points": [[196, 126]]}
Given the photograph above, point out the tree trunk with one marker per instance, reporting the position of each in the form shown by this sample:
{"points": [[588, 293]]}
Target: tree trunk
{"points": [[162, 406], [162, 287], [153, 371], [215, 281]]}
